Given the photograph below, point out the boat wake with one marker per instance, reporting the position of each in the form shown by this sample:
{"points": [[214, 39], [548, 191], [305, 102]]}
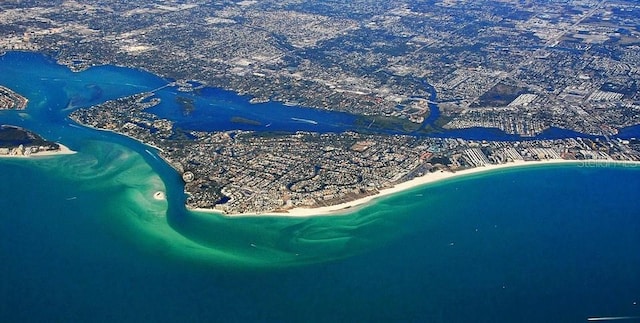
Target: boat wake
{"points": [[613, 318], [305, 120]]}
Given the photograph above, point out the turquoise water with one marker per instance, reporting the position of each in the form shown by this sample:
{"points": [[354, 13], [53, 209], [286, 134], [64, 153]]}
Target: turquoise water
{"points": [[84, 240]]}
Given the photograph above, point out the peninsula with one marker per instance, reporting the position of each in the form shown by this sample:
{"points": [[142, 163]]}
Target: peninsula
{"points": [[244, 172], [418, 68]]}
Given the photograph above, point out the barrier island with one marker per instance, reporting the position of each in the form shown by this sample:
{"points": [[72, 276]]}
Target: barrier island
{"points": [[309, 173]]}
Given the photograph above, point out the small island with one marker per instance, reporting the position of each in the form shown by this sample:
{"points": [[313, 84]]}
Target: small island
{"points": [[19, 142]]}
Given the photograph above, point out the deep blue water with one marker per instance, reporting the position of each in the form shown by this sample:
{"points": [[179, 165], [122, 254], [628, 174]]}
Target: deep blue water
{"points": [[82, 241], [630, 132], [515, 258]]}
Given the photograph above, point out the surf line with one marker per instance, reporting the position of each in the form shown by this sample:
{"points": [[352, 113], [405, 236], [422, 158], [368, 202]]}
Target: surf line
{"points": [[613, 318]]}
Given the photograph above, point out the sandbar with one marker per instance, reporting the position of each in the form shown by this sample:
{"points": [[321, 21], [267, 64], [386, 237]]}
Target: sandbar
{"points": [[159, 195]]}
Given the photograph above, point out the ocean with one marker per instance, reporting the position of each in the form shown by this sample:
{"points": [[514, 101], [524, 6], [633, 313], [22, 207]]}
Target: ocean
{"points": [[83, 239]]}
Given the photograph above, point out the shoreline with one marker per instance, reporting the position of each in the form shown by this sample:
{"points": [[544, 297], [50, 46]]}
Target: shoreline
{"points": [[63, 150], [430, 178], [77, 124]]}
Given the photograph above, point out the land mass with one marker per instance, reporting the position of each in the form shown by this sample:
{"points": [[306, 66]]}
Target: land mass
{"points": [[402, 67], [519, 66], [20, 142], [245, 172]]}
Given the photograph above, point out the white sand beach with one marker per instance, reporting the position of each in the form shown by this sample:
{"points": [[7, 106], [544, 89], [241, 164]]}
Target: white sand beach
{"points": [[63, 150], [347, 207], [159, 195]]}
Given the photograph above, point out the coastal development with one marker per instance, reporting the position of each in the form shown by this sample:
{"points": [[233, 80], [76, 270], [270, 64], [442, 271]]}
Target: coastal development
{"points": [[320, 161], [519, 66], [20, 142], [405, 70], [243, 172], [10, 100]]}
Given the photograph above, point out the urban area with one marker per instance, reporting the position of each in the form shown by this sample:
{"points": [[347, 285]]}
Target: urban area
{"points": [[256, 172], [520, 66]]}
